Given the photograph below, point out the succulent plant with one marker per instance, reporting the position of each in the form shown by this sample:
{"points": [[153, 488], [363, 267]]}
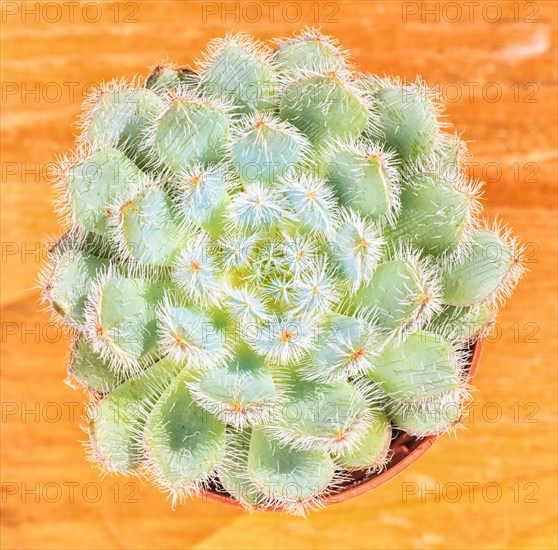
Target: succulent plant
{"points": [[271, 263]]}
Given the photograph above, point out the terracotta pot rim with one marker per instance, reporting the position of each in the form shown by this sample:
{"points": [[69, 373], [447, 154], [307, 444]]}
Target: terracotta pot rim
{"points": [[405, 454]]}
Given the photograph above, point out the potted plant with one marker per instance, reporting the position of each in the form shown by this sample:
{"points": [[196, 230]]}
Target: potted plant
{"points": [[275, 272]]}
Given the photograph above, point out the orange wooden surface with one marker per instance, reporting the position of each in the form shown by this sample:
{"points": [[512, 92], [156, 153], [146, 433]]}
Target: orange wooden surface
{"points": [[492, 487]]}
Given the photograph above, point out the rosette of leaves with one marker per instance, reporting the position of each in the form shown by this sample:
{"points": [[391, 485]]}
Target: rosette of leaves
{"points": [[271, 261]]}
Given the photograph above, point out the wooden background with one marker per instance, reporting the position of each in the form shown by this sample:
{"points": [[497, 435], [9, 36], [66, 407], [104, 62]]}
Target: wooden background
{"points": [[492, 487]]}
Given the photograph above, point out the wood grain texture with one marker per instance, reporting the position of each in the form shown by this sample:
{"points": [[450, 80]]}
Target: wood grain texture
{"points": [[450, 498]]}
